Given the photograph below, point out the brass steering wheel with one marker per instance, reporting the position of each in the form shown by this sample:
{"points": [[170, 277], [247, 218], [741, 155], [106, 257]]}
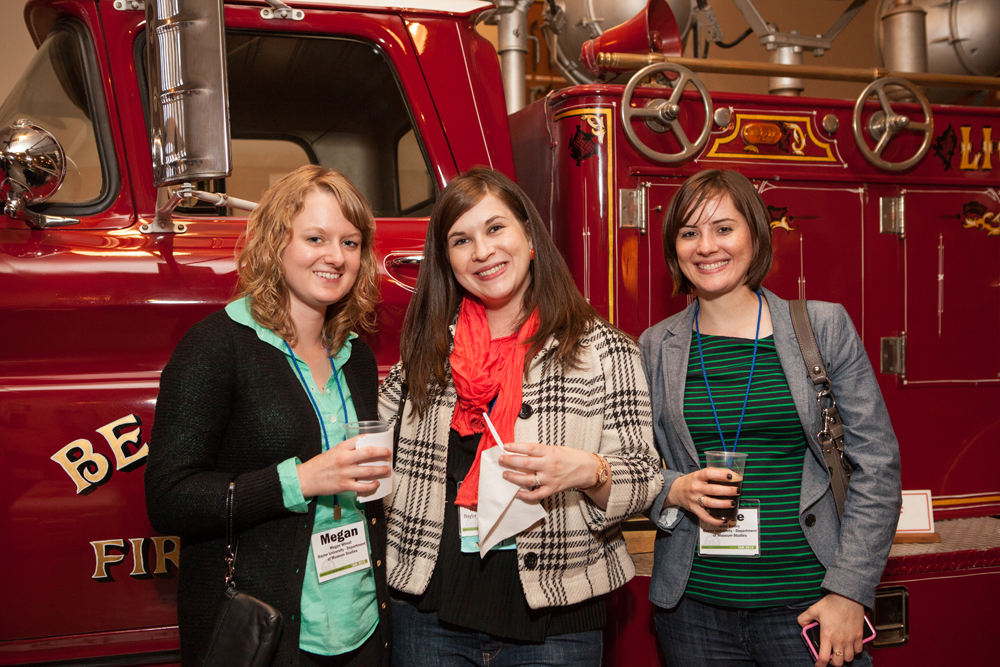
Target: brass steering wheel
{"points": [[661, 115], [885, 123]]}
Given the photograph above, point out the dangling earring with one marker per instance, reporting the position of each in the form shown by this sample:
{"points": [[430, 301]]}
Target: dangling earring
{"points": [[532, 253]]}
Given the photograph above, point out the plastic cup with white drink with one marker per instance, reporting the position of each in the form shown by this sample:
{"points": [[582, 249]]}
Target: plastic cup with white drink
{"points": [[373, 434]]}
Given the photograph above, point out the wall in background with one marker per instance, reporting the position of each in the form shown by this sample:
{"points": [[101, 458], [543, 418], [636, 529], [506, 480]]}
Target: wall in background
{"points": [[18, 49]]}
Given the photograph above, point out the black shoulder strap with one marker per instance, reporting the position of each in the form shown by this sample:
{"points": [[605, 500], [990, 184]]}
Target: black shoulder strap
{"points": [[231, 543], [831, 437]]}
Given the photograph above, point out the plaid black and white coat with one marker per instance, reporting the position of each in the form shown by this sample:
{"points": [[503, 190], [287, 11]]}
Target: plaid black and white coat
{"points": [[577, 552]]}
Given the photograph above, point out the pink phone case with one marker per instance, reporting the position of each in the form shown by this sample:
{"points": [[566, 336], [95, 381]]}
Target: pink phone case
{"points": [[813, 649]]}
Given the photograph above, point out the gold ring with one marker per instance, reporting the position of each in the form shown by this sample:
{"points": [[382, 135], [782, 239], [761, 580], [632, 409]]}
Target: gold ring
{"points": [[838, 653]]}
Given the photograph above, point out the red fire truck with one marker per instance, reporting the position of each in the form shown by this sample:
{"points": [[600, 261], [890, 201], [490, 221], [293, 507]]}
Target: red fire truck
{"points": [[887, 204]]}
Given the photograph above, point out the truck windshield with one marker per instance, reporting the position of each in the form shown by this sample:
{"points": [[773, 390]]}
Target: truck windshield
{"points": [[333, 101], [53, 94]]}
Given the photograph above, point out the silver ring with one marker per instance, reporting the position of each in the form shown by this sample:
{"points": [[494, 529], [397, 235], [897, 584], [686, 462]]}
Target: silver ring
{"points": [[537, 483], [701, 501]]}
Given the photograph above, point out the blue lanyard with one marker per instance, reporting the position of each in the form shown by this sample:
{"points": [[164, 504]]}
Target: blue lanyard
{"points": [[326, 441], [704, 373]]}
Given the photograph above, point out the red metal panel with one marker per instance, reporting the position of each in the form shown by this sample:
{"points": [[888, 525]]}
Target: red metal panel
{"points": [[143, 646], [951, 619], [583, 203], [463, 75], [952, 285], [529, 130], [122, 29], [630, 636]]}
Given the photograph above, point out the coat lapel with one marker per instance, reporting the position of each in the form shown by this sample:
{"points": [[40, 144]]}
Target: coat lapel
{"points": [[676, 348]]}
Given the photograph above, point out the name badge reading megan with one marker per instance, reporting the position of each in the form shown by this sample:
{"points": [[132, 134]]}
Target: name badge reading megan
{"points": [[733, 539], [341, 550]]}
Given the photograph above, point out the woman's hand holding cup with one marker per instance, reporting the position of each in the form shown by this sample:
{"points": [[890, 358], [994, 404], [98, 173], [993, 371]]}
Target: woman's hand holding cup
{"points": [[339, 469], [694, 492]]}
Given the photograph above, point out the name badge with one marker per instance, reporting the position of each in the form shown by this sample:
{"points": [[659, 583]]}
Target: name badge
{"points": [[739, 539], [468, 532], [341, 550]]}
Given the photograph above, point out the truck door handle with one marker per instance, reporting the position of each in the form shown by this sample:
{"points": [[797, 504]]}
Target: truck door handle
{"points": [[406, 260]]}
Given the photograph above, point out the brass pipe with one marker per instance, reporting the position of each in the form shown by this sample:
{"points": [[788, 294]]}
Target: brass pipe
{"points": [[545, 78], [629, 62]]}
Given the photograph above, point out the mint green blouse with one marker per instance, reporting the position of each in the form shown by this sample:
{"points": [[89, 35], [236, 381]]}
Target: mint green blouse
{"points": [[340, 614]]}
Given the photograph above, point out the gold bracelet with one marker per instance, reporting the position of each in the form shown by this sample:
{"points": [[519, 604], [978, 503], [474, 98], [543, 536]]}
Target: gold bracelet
{"points": [[602, 474]]}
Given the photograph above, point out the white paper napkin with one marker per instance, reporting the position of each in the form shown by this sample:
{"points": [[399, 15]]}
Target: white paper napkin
{"points": [[501, 515]]}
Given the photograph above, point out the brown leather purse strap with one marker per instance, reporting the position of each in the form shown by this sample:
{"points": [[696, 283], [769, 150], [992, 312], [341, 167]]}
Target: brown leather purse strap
{"points": [[831, 437]]}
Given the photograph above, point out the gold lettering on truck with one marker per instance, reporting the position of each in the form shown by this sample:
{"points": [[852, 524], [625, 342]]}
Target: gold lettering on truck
{"points": [[110, 553], [88, 469], [971, 162], [162, 555], [119, 442], [102, 550]]}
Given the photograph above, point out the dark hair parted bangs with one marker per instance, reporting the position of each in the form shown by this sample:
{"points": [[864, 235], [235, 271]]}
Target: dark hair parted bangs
{"points": [[268, 232], [425, 341], [707, 186]]}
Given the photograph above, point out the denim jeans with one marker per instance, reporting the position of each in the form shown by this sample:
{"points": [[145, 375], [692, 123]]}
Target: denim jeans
{"points": [[420, 640], [694, 634]]}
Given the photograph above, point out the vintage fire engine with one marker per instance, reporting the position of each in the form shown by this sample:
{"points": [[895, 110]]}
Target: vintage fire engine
{"points": [[888, 204]]}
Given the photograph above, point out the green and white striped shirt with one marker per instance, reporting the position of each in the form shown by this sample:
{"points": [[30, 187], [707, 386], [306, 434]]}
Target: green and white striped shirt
{"points": [[787, 570]]}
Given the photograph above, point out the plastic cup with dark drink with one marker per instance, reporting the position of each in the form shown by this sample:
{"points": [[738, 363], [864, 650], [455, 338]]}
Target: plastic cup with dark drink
{"points": [[734, 462]]}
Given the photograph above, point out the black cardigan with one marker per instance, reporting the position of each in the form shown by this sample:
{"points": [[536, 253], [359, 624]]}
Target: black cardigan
{"points": [[230, 407]]}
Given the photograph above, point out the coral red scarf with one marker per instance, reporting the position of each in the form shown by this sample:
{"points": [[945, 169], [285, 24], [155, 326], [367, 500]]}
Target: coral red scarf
{"points": [[483, 368]]}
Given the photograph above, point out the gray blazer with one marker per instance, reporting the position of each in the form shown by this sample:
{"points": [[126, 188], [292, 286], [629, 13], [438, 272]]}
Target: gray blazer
{"points": [[854, 551]]}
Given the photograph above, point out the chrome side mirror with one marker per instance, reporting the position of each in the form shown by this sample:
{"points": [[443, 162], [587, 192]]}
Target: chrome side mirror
{"points": [[33, 166], [188, 98]]}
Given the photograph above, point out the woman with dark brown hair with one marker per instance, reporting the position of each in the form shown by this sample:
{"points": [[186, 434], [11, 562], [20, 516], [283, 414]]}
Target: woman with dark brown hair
{"points": [[497, 326], [727, 375], [256, 396]]}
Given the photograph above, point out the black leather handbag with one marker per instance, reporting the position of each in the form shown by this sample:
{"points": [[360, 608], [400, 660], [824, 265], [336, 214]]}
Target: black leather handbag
{"points": [[244, 631]]}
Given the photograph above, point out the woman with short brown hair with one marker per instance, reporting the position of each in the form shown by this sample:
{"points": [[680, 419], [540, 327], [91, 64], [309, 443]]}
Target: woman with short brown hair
{"points": [[727, 375]]}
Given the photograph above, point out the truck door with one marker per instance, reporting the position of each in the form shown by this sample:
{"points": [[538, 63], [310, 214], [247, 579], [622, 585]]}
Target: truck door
{"points": [[952, 300]]}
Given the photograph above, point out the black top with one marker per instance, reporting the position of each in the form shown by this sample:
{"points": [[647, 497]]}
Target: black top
{"points": [[231, 408], [485, 594]]}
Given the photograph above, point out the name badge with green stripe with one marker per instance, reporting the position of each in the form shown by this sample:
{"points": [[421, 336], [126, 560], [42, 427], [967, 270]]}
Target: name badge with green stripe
{"points": [[341, 550], [739, 539], [468, 523]]}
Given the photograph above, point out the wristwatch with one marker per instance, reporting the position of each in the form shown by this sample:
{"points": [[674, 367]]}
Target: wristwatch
{"points": [[602, 474]]}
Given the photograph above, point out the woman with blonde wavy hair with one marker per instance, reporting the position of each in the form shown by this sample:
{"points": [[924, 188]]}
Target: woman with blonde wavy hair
{"points": [[256, 396]]}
